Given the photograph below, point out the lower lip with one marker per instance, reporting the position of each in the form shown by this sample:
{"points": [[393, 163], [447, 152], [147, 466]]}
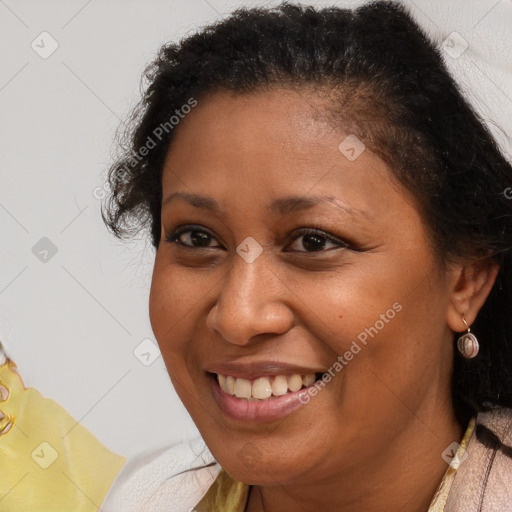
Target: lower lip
{"points": [[257, 411]]}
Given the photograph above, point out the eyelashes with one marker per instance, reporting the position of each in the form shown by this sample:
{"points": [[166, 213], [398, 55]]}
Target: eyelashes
{"points": [[313, 237], [175, 236]]}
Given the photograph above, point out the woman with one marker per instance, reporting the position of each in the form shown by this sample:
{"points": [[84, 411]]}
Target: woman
{"points": [[332, 280]]}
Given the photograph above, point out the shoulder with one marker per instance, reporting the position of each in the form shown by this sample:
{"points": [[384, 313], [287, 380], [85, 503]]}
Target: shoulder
{"points": [[172, 479], [483, 482]]}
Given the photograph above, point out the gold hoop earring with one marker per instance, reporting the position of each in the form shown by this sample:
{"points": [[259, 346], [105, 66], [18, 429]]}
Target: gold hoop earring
{"points": [[467, 343]]}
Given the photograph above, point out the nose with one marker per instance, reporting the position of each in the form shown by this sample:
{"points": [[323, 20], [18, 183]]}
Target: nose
{"points": [[251, 301]]}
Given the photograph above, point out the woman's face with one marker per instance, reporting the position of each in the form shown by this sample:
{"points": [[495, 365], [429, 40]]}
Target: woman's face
{"points": [[248, 293]]}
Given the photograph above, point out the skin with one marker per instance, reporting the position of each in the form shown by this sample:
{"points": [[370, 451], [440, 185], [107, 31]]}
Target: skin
{"points": [[349, 449]]}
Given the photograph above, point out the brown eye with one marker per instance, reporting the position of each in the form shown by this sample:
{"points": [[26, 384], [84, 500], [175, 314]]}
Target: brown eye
{"points": [[315, 240], [194, 238]]}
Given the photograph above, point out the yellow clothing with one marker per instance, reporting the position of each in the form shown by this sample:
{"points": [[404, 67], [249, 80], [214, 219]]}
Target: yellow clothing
{"points": [[228, 495], [48, 461]]}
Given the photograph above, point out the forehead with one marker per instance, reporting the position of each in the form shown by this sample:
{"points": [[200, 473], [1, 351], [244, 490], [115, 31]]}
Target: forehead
{"points": [[262, 145]]}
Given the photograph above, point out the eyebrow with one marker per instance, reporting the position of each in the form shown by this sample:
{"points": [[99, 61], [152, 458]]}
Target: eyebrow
{"points": [[282, 206]]}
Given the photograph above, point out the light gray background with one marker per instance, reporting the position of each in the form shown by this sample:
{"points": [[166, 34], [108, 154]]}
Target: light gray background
{"points": [[72, 322]]}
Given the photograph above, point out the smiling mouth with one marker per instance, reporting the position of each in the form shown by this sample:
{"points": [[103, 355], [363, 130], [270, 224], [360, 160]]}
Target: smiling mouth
{"points": [[265, 388]]}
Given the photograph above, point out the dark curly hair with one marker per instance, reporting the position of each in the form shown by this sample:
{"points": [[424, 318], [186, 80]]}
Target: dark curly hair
{"points": [[385, 81]]}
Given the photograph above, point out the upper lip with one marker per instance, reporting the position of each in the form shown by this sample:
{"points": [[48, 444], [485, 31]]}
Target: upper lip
{"points": [[253, 369]]}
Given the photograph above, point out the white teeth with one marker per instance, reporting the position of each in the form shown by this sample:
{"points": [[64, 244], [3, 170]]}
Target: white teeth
{"points": [[307, 380], [222, 381], [294, 382], [243, 388], [261, 388], [230, 385], [264, 388], [279, 386]]}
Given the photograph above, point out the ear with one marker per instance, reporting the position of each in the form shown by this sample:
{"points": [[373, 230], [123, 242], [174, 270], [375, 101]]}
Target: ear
{"points": [[471, 285]]}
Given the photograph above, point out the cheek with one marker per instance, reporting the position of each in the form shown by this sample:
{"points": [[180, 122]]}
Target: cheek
{"points": [[178, 301], [393, 355], [350, 303], [382, 318], [172, 299], [169, 309]]}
